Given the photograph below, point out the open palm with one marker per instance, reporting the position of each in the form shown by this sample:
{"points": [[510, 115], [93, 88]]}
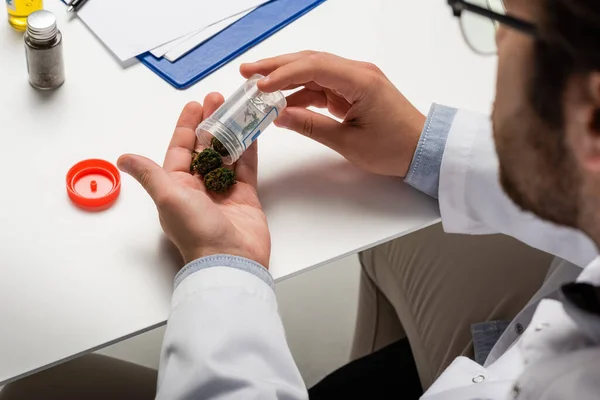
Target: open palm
{"points": [[198, 222]]}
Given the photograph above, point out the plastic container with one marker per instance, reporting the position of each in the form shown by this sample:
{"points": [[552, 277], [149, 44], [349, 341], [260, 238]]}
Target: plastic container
{"points": [[242, 118]]}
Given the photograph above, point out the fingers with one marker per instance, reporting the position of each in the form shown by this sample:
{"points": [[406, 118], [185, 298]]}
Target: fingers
{"points": [[316, 126], [323, 98], [348, 78], [307, 98], [152, 177], [212, 101], [308, 85], [246, 168], [179, 153], [268, 65]]}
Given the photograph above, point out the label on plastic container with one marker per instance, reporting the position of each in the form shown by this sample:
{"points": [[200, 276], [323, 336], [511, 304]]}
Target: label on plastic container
{"points": [[253, 130], [10, 4], [248, 121]]}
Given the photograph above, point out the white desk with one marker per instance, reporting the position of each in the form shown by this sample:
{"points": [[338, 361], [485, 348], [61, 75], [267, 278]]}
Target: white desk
{"points": [[72, 282]]}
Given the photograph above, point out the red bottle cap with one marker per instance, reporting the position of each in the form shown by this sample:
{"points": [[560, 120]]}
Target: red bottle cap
{"points": [[93, 184]]}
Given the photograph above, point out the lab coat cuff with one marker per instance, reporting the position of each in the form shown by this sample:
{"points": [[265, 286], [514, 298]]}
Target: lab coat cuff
{"points": [[424, 171], [224, 260], [457, 214]]}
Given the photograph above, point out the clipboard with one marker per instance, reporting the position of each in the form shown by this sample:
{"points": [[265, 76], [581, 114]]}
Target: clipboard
{"points": [[229, 43]]}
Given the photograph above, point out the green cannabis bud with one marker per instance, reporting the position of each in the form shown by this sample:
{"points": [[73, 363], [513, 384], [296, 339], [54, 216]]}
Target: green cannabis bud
{"points": [[206, 161], [219, 180], [218, 147]]}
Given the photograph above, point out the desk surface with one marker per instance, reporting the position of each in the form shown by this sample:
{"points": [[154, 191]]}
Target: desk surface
{"points": [[72, 282]]}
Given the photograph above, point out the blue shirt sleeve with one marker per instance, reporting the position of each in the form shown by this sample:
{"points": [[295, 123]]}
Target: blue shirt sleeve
{"points": [[424, 171]]}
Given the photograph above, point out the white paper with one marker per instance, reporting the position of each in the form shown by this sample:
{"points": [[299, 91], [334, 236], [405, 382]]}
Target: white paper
{"points": [[132, 27], [184, 47], [163, 49], [210, 31]]}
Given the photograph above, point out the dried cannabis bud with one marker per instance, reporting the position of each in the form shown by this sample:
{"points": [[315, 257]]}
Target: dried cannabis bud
{"points": [[218, 147], [193, 164], [219, 180], [206, 161]]}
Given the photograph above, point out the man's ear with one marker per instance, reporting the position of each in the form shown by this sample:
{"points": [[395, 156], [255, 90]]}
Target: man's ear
{"points": [[583, 128]]}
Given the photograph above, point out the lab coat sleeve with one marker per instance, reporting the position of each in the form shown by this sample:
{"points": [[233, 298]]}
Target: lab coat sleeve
{"points": [[472, 200], [224, 337]]}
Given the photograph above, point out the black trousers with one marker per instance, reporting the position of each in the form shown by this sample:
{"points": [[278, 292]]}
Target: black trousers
{"points": [[389, 373]]}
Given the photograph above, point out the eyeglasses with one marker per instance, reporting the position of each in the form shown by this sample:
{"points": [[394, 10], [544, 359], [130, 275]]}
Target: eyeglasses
{"points": [[479, 21]]}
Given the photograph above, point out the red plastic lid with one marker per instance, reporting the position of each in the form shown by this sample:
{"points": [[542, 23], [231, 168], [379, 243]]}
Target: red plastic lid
{"points": [[93, 184]]}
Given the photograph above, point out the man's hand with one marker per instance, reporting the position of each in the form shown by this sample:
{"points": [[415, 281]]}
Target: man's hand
{"points": [[198, 222], [380, 128]]}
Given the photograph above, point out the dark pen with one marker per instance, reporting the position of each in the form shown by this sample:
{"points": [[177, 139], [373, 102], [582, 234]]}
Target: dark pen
{"points": [[76, 5]]}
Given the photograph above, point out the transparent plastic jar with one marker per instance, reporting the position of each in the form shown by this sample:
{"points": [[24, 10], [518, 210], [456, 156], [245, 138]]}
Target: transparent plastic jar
{"points": [[242, 118]]}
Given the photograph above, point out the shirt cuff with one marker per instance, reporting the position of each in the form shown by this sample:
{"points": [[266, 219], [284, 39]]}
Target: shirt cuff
{"points": [[424, 171], [224, 260]]}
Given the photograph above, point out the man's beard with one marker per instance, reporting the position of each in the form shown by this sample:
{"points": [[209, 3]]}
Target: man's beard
{"points": [[510, 188], [537, 170]]}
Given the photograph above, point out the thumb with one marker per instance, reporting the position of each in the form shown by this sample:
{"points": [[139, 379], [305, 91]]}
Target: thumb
{"points": [[316, 126], [150, 175]]}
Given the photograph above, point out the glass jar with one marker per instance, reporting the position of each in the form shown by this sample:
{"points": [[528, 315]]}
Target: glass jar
{"points": [[43, 49]]}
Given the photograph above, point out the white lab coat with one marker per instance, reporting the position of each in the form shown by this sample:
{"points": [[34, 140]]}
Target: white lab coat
{"points": [[225, 340]]}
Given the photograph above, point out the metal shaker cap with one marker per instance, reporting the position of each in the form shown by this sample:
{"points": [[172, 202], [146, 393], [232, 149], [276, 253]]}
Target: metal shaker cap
{"points": [[41, 26]]}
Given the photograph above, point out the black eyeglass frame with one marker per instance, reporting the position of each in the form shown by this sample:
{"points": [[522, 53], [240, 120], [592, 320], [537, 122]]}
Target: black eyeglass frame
{"points": [[458, 6]]}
